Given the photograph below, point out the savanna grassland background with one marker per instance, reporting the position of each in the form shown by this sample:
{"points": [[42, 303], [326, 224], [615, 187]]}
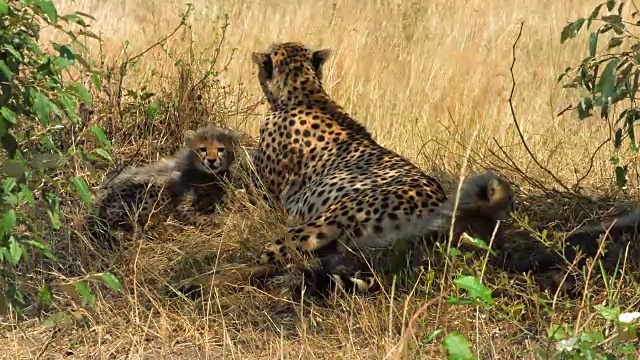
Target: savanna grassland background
{"points": [[430, 79]]}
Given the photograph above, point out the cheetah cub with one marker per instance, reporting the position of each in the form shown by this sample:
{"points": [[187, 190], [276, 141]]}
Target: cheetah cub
{"points": [[188, 186]]}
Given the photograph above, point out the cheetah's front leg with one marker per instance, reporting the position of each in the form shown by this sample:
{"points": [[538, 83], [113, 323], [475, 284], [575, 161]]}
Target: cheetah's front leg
{"points": [[307, 238]]}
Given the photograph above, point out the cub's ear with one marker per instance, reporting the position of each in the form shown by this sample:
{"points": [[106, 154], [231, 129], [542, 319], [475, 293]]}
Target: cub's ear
{"points": [[319, 57], [264, 62], [189, 137], [234, 135]]}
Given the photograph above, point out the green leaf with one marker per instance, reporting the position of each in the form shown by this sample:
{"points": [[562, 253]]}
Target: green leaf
{"points": [[8, 74], [101, 136], [83, 93], [454, 300], [556, 332], [111, 281], [432, 336], [594, 14], [66, 52], [85, 292], [9, 220], [454, 252], [8, 115], [631, 133], [44, 295], [571, 30], [631, 116], [82, 189], [8, 185], [84, 14], [476, 242], [97, 82], [607, 81], [608, 313], [625, 74], [615, 160], [41, 106], [68, 104], [104, 154], [50, 10], [73, 18], [617, 139], [615, 21], [54, 217], [621, 177], [27, 194], [475, 288], [611, 4], [15, 251], [612, 19], [457, 347], [564, 74], [593, 43], [16, 54], [44, 249], [614, 42], [544, 234], [4, 7]]}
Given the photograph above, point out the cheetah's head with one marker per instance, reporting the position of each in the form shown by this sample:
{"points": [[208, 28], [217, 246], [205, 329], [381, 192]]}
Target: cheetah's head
{"points": [[288, 71], [212, 148], [487, 195]]}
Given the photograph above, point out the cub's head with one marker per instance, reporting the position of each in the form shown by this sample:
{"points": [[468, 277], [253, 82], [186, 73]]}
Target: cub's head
{"points": [[212, 148], [288, 71], [488, 196]]}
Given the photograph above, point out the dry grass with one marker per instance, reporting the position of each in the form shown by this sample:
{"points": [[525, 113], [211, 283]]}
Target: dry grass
{"points": [[423, 76]]}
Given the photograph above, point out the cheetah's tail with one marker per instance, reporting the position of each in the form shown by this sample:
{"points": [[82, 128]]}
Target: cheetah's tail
{"points": [[234, 275]]}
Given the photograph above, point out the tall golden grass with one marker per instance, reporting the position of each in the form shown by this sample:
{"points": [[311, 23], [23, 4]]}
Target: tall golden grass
{"points": [[424, 77], [421, 75]]}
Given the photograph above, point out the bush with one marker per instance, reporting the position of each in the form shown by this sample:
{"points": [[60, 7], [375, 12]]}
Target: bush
{"points": [[608, 76], [44, 108]]}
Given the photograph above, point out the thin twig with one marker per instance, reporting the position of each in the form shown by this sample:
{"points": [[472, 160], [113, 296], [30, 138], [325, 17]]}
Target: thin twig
{"points": [[576, 187], [515, 119]]}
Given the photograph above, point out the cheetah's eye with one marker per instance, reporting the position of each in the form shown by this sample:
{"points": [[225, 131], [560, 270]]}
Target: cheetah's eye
{"points": [[221, 150], [203, 149]]}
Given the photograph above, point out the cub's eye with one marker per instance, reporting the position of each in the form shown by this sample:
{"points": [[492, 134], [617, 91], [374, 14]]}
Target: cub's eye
{"points": [[221, 150], [202, 149]]}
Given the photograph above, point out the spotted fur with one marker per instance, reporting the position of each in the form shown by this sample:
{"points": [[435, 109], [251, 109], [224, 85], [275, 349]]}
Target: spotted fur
{"points": [[346, 191], [483, 201]]}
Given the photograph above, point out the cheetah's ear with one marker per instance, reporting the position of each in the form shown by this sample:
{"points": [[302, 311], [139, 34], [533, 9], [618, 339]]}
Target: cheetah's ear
{"points": [[189, 137], [235, 135], [264, 62], [495, 192], [319, 57]]}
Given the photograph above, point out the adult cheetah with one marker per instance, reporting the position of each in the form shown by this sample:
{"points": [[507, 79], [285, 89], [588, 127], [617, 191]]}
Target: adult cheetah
{"points": [[348, 192], [187, 186]]}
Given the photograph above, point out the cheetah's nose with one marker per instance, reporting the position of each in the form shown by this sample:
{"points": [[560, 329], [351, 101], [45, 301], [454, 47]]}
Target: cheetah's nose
{"points": [[212, 163]]}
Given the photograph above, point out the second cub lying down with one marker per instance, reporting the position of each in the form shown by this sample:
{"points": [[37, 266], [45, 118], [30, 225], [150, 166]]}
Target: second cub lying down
{"points": [[188, 186]]}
